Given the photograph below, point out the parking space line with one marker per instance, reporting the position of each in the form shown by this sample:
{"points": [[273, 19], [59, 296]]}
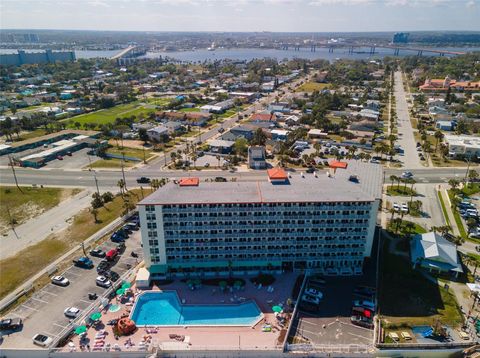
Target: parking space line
{"points": [[53, 294], [39, 300], [85, 301], [73, 273], [51, 334], [302, 330], [17, 315], [59, 325], [313, 324], [33, 309]]}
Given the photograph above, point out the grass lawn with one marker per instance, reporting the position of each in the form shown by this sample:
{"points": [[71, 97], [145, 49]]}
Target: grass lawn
{"points": [[111, 163], [312, 86], [471, 189], [105, 116], [29, 204], [28, 135], [158, 101], [195, 109], [38, 256], [131, 152], [395, 190], [458, 218], [405, 228], [407, 298], [444, 208]]}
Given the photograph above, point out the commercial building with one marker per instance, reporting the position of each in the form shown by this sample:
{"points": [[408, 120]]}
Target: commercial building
{"points": [[257, 157], [463, 146], [323, 223], [49, 56]]}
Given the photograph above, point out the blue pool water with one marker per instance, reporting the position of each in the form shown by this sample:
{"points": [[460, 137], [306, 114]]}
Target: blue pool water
{"points": [[164, 309]]}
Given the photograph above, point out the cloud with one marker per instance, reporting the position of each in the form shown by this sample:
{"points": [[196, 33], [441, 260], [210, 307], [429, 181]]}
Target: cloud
{"points": [[340, 2], [98, 3]]}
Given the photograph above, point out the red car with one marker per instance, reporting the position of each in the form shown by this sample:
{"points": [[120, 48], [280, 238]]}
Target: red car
{"points": [[111, 255], [59, 157]]}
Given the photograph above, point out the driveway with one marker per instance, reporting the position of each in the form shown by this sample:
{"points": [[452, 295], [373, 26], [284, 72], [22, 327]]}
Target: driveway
{"points": [[405, 131]]}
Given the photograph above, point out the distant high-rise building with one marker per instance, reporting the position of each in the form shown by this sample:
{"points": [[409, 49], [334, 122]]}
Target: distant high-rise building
{"points": [[400, 38]]}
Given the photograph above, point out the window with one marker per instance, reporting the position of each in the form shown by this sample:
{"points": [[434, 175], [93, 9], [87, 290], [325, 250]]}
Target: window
{"points": [[152, 225]]}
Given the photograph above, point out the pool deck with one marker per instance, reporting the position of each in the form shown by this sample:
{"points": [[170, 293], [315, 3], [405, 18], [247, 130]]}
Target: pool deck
{"points": [[196, 337]]}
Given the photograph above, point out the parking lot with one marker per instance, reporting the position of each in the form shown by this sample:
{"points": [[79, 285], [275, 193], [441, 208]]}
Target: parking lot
{"points": [[43, 312], [77, 160]]}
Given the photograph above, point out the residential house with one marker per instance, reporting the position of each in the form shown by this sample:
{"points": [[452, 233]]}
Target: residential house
{"points": [[220, 146], [434, 253], [447, 82], [158, 133], [463, 146], [445, 125], [279, 134], [256, 157]]}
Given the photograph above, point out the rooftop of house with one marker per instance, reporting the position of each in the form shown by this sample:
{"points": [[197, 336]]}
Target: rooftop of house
{"points": [[336, 187]]}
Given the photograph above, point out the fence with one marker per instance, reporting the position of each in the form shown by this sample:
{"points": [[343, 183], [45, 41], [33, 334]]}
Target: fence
{"points": [[330, 348], [295, 312]]}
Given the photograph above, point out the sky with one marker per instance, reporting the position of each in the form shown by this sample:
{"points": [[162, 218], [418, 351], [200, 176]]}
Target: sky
{"points": [[242, 15]]}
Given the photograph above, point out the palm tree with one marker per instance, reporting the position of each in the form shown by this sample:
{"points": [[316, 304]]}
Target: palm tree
{"points": [[94, 212], [393, 178], [218, 159], [438, 137], [472, 175], [127, 206], [121, 185], [454, 183]]}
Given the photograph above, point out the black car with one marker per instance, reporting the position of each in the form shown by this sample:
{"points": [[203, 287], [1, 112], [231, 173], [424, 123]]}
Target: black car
{"points": [[103, 266], [10, 324], [221, 130], [310, 170], [220, 179], [97, 253], [121, 247], [143, 180], [111, 275]]}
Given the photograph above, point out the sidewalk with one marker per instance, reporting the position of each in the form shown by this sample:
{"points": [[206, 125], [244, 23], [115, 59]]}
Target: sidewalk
{"points": [[39, 228], [448, 207]]}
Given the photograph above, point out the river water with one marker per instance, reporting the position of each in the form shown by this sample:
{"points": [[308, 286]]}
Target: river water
{"points": [[247, 54]]}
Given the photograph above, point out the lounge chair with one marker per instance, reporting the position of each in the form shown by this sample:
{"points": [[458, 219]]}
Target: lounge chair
{"points": [[406, 336], [394, 336]]}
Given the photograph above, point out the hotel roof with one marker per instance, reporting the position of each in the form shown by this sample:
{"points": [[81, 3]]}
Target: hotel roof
{"points": [[309, 188]]}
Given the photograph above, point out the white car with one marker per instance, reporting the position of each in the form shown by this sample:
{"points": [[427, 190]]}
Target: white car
{"points": [[404, 208], [396, 207], [314, 292], [102, 281], [60, 281], [71, 312], [311, 299], [407, 175], [42, 340]]}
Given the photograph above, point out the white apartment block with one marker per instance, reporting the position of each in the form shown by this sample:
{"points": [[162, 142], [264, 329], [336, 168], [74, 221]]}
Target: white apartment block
{"points": [[323, 223], [463, 146]]}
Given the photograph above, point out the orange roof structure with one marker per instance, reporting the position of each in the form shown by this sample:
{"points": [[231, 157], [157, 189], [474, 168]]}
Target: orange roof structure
{"points": [[277, 174], [338, 164], [189, 182]]}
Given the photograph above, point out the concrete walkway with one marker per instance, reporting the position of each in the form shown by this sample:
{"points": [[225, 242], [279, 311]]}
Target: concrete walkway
{"points": [[39, 228], [406, 138]]}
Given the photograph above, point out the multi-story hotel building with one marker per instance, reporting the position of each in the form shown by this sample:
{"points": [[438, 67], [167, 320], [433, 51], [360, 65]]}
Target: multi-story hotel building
{"points": [[323, 222]]}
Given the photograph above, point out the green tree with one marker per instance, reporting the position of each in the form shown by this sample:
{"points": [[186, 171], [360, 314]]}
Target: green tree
{"points": [[259, 137]]}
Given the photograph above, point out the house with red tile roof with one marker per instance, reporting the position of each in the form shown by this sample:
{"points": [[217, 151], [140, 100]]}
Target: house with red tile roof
{"points": [[447, 82]]}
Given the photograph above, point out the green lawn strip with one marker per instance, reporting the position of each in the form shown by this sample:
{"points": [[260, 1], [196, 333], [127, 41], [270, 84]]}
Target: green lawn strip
{"points": [[111, 163], [195, 109], [33, 134], [444, 208], [30, 202], [471, 189], [405, 228], [407, 298], [130, 152], [17, 269], [457, 217]]}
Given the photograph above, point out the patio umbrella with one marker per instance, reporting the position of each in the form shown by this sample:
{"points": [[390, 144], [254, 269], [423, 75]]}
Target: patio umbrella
{"points": [[190, 282], [120, 291], [197, 282], [96, 316], [222, 284], [126, 285], [277, 309], [80, 329], [238, 283]]}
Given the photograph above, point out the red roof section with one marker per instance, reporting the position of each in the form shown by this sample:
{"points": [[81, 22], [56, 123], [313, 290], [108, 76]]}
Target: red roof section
{"points": [[277, 174], [263, 117], [189, 182], [337, 164]]}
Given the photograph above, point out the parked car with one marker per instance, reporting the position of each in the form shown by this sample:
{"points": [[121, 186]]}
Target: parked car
{"points": [[42, 340], [59, 157], [311, 299], [111, 255], [121, 247], [220, 179], [97, 253], [11, 324], [102, 281], [404, 208], [310, 170], [396, 207], [83, 262], [71, 312], [143, 180], [132, 226], [116, 237], [364, 303], [221, 130], [313, 292], [60, 281], [111, 275]]}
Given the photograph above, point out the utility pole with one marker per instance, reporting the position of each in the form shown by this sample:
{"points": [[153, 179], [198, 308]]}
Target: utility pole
{"points": [[12, 221], [123, 171], [96, 182], [144, 161], [468, 168], [82, 245], [14, 173]]}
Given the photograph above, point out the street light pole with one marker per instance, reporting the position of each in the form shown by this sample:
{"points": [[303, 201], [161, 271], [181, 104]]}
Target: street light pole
{"points": [[14, 173], [123, 171]]}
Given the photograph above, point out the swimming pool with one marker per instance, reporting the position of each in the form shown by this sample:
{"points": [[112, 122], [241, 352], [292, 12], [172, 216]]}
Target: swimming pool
{"points": [[165, 309]]}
